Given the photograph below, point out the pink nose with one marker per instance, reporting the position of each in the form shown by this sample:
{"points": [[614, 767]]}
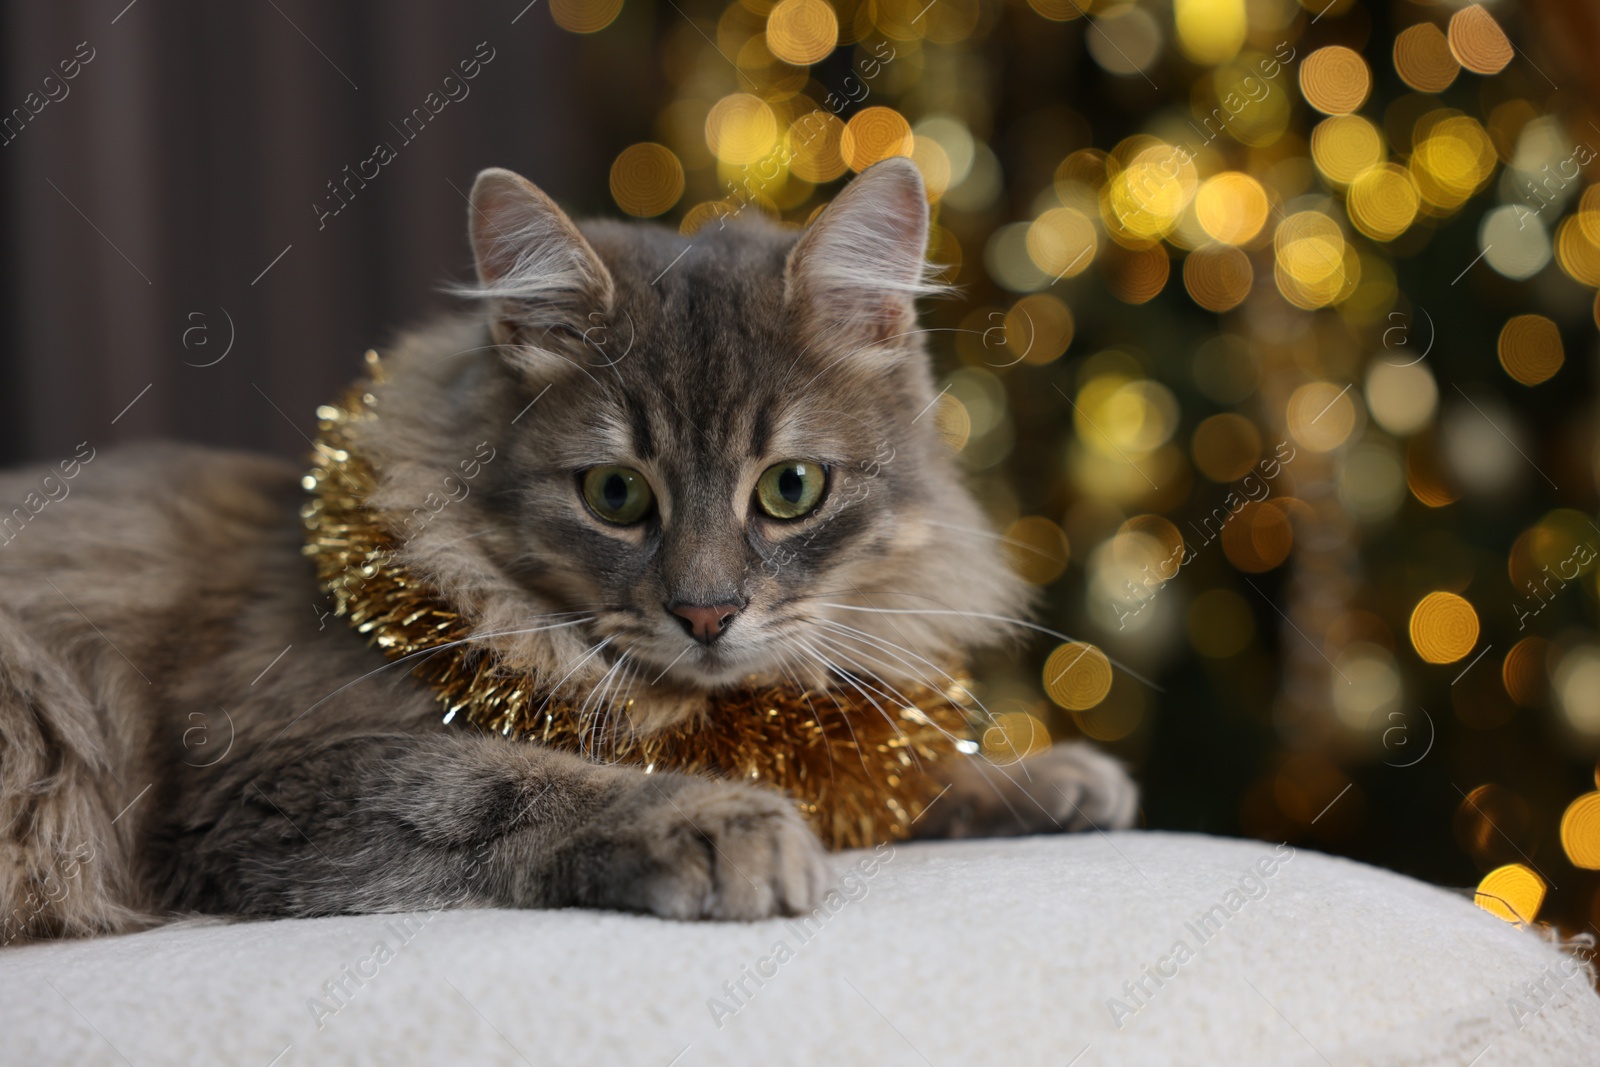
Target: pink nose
{"points": [[704, 623]]}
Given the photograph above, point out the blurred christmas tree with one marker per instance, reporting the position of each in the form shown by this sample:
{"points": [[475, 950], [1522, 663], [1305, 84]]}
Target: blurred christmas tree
{"points": [[1261, 355]]}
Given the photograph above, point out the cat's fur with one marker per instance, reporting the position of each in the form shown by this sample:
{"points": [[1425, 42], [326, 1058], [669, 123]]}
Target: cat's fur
{"points": [[184, 727]]}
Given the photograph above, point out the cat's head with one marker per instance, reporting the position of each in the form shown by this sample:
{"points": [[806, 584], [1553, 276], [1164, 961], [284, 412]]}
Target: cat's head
{"points": [[716, 454]]}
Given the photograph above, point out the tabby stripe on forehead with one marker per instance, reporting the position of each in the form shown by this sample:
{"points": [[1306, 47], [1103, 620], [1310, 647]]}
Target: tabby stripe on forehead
{"points": [[643, 444], [761, 432]]}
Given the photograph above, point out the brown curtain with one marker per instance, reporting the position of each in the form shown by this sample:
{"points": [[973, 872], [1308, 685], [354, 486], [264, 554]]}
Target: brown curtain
{"points": [[168, 188]]}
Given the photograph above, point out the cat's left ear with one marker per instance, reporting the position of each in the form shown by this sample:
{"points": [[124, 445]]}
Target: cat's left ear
{"points": [[859, 269], [534, 267]]}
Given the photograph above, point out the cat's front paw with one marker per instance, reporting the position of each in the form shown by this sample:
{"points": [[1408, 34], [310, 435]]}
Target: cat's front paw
{"points": [[715, 850], [1080, 787], [1071, 786]]}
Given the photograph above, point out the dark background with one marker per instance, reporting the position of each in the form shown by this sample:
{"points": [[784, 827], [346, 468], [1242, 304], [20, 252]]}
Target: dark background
{"points": [[195, 143]]}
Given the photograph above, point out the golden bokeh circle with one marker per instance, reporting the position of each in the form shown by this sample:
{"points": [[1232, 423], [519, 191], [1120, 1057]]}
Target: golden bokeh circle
{"points": [[1062, 242], [802, 32], [1059, 10], [1135, 276], [813, 141], [585, 16], [1218, 277], [933, 162], [1014, 736], [1453, 158], [1344, 146], [1077, 676], [1513, 893], [1157, 540], [741, 129], [1523, 672], [1258, 538], [1226, 446], [1589, 213], [1335, 80], [1037, 549], [1580, 831], [646, 179], [1478, 42], [1231, 207], [1444, 627], [1423, 59], [1383, 201], [1577, 252], [1146, 198], [1313, 265], [1530, 349], [952, 421], [874, 134], [1321, 415], [1115, 717], [1039, 329]]}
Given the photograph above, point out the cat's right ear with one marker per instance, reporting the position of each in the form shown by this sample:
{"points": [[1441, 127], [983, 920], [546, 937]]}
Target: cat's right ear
{"points": [[534, 268]]}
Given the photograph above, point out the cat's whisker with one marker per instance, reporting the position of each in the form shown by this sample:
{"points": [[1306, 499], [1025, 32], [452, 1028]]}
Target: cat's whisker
{"points": [[987, 769], [785, 668], [955, 740], [617, 702], [858, 687], [893, 695], [892, 649], [590, 654], [595, 727], [855, 741], [1057, 634]]}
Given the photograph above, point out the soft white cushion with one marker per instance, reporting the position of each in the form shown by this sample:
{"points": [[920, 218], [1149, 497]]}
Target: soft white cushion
{"points": [[1002, 952]]}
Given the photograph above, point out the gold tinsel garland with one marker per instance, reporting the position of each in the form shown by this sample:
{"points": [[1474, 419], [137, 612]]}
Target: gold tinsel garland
{"points": [[858, 767]]}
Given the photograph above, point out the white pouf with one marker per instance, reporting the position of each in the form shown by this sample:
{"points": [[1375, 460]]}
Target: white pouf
{"points": [[1045, 950]]}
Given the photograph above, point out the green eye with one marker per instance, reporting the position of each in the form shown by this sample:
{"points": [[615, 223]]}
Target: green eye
{"points": [[617, 494], [791, 489]]}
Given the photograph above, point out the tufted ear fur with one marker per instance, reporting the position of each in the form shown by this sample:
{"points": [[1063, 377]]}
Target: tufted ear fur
{"points": [[534, 268], [856, 273]]}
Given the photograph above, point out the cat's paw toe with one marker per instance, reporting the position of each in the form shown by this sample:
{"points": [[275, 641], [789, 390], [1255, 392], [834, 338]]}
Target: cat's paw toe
{"points": [[722, 851], [1082, 787]]}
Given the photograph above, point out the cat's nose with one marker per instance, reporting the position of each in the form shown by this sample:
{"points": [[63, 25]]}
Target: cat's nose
{"points": [[704, 622]]}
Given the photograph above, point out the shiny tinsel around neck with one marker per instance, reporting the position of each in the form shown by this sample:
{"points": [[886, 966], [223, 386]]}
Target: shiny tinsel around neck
{"points": [[860, 767]]}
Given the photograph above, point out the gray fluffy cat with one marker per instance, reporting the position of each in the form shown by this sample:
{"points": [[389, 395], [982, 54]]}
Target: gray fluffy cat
{"points": [[667, 441]]}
